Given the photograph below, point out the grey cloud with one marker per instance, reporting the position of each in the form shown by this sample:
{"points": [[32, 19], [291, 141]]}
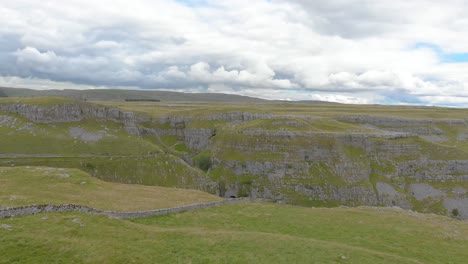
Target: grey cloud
{"points": [[335, 50]]}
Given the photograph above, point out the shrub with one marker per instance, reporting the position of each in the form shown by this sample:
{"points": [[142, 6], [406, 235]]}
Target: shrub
{"points": [[204, 162], [455, 212]]}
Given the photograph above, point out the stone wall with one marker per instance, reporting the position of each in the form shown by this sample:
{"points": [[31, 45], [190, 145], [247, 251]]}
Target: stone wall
{"points": [[48, 208]]}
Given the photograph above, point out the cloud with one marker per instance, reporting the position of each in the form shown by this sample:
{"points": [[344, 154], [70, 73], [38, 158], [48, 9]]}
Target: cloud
{"points": [[30, 54], [358, 51]]}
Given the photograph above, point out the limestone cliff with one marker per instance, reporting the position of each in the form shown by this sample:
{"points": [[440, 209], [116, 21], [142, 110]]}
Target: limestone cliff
{"points": [[413, 163]]}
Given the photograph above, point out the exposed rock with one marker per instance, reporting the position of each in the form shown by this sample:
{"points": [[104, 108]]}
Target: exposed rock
{"points": [[243, 116], [78, 132], [462, 136], [435, 138], [198, 139], [461, 205], [77, 221], [391, 197], [383, 121], [423, 191], [459, 190], [74, 112], [6, 227], [7, 121], [349, 195]]}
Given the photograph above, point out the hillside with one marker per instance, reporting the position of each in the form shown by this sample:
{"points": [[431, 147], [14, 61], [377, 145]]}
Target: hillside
{"points": [[303, 154], [23, 186], [121, 95], [240, 233]]}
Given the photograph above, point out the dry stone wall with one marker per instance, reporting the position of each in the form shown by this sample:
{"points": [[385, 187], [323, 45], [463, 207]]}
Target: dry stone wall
{"points": [[37, 209]]}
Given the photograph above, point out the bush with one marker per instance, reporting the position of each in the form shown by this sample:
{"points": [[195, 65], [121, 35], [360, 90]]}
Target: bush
{"points": [[455, 212], [203, 162]]}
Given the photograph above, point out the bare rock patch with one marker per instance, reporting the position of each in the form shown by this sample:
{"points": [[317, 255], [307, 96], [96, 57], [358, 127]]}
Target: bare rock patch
{"points": [[78, 132]]}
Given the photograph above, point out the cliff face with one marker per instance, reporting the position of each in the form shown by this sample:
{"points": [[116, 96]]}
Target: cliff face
{"points": [[104, 141], [413, 163], [74, 112], [381, 164]]}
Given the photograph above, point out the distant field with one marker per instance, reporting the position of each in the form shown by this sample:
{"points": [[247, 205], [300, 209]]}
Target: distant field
{"points": [[288, 108], [42, 185], [40, 101], [240, 233]]}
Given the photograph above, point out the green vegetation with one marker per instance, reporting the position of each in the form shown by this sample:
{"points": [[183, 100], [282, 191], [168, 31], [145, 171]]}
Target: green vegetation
{"points": [[39, 101], [161, 169], [320, 174], [21, 136], [203, 160], [43, 185], [169, 140], [353, 152], [241, 233]]}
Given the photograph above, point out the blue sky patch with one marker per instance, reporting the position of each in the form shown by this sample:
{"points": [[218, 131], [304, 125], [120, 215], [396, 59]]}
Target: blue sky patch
{"points": [[444, 57], [193, 3]]}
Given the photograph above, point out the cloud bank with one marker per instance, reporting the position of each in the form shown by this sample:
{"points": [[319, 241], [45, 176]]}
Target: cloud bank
{"points": [[350, 51]]}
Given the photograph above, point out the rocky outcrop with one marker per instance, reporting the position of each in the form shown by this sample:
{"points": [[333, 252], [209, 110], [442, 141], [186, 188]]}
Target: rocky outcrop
{"points": [[427, 129], [383, 121], [422, 191], [273, 133], [74, 112], [433, 170], [389, 196]]}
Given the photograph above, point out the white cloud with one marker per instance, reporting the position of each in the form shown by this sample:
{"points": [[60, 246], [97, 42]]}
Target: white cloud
{"points": [[33, 56], [360, 51]]}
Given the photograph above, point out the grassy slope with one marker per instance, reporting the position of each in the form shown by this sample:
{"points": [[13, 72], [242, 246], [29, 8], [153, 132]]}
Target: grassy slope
{"points": [[24, 137], [42, 185], [240, 233], [162, 169]]}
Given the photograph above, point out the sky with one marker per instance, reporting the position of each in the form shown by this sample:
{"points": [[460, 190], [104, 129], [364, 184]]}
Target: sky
{"points": [[348, 51]]}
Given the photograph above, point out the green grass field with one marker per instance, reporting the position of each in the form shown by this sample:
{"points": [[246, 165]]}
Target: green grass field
{"points": [[240, 233]]}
